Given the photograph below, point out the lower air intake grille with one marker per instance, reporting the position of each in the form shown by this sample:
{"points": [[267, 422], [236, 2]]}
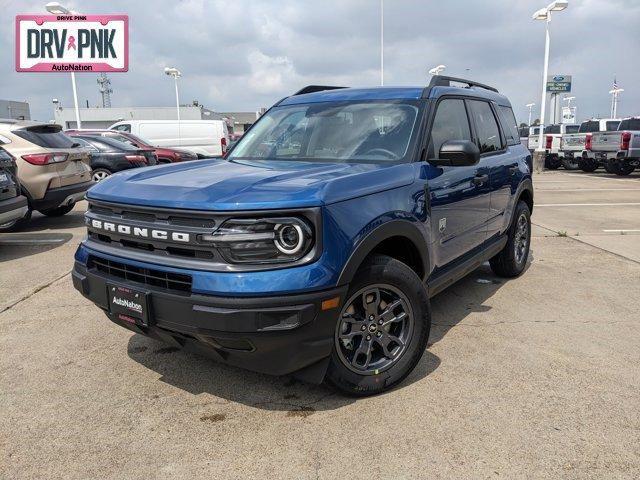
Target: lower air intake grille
{"points": [[146, 276]]}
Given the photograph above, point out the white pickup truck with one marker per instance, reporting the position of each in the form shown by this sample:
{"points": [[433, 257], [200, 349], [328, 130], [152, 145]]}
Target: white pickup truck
{"points": [[575, 147], [552, 140], [619, 150]]}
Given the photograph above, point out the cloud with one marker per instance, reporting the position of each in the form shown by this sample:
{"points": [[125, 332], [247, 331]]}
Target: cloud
{"points": [[246, 54]]}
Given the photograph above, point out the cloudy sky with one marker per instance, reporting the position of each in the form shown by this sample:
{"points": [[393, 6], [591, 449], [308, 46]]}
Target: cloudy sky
{"points": [[239, 55]]}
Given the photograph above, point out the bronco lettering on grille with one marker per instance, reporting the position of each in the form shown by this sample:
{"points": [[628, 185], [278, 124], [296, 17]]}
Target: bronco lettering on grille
{"points": [[140, 232]]}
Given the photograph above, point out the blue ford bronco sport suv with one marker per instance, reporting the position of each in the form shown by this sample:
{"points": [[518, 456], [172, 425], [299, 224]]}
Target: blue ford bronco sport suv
{"points": [[314, 246]]}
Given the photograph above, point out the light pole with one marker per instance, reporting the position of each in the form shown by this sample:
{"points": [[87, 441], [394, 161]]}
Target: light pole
{"points": [[381, 42], [530, 106], [437, 70], [56, 9], [175, 73], [545, 14]]}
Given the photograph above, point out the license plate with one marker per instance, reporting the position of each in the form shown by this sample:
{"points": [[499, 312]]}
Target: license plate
{"points": [[128, 304]]}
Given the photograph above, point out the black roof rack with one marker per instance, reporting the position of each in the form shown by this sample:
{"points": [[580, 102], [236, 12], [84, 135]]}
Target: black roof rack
{"points": [[444, 81], [316, 88]]}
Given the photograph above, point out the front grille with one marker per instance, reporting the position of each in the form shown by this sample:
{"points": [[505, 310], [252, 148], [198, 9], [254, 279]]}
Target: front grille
{"points": [[145, 276]]}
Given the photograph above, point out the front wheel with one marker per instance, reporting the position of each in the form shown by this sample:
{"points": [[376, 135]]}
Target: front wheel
{"points": [[611, 166], [588, 165], [512, 259], [382, 330]]}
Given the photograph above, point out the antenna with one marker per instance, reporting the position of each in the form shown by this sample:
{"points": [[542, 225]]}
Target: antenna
{"points": [[105, 90]]}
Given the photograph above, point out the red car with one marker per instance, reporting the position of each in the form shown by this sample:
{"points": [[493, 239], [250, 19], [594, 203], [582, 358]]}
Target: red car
{"points": [[164, 155]]}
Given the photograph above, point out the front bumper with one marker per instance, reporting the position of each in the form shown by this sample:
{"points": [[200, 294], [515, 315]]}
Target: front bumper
{"points": [[62, 196], [277, 335]]}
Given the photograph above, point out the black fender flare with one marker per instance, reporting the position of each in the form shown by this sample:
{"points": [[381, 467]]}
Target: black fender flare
{"points": [[527, 185], [392, 228]]}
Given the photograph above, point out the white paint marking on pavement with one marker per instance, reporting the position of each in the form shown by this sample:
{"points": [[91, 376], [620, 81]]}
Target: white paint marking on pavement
{"points": [[584, 204], [630, 179], [622, 230], [588, 190]]}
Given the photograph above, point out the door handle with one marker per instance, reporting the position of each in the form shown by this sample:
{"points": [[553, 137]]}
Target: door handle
{"points": [[480, 179]]}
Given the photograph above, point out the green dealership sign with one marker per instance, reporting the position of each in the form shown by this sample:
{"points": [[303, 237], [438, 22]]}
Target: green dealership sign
{"points": [[558, 83]]}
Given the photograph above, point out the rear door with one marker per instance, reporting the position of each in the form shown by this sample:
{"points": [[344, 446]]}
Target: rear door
{"points": [[459, 196]]}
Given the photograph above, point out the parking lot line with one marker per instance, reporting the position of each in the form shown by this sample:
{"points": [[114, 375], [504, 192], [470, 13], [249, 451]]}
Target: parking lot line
{"points": [[589, 190], [629, 179], [585, 204], [622, 230]]}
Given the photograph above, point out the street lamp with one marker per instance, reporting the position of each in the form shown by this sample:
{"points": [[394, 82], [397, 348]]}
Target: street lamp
{"points": [[614, 100], [530, 106], [437, 70], [175, 73], [56, 9], [545, 14]]}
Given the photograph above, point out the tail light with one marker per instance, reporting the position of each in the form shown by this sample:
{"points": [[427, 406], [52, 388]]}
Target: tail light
{"points": [[625, 139], [587, 142], [549, 141], [45, 158], [223, 145], [136, 158]]}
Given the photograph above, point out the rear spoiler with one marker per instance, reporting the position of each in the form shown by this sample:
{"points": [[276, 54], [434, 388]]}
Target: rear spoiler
{"points": [[316, 88]]}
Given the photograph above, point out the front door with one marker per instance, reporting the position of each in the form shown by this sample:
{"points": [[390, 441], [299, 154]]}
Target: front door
{"points": [[459, 196]]}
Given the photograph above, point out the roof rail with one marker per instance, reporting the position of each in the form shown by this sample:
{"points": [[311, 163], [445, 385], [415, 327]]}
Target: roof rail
{"points": [[444, 81], [315, 88]]}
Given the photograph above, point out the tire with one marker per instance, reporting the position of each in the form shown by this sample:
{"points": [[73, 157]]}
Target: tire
{"points": [[100, 174], [624, 168], [58, 211], [382, 281], [570, 164], [512, 259], [18, 224], [611, 166], [588, 165], [552, 162]]}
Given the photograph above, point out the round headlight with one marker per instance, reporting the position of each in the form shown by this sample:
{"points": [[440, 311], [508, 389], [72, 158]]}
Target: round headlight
{"points": [[289, 239]]}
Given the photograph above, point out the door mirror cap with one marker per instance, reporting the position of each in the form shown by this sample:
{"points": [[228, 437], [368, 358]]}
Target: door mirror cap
{"points": [[457, 153]]}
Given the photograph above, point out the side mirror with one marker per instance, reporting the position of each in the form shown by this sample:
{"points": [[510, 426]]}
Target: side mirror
{"points": [[457, 153]]}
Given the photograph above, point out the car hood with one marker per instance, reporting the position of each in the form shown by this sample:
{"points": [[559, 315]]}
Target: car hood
{"points": [[250, 185]]}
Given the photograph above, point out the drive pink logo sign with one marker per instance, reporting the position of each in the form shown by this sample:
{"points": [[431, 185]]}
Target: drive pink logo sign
{"points": [[72, 43]]}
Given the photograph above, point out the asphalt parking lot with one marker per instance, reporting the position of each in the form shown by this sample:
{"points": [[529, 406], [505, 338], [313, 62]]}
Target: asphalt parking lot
{"points": [[537, 377]]}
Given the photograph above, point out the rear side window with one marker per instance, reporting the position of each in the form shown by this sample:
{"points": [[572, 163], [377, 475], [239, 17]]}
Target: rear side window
{"points": [[125, 127], [551, 129], [46, 136], [450, 123], [509, 125], [486, 126], [630, 124], [612, 126], [589, 126]]}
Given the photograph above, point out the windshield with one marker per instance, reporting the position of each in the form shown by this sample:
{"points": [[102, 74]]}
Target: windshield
{"points": [[331, 131]]}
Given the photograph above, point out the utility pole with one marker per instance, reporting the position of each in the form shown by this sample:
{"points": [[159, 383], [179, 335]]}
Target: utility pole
{"points": [[105, 90]]}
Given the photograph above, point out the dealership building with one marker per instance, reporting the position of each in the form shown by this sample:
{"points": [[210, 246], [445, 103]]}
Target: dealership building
{"points": [[101, 117], [15, 110]]}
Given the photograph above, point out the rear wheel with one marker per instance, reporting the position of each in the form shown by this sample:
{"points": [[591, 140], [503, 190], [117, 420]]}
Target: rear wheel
{"points": [[58, 211], [382, 329], [588, 165], [552, 162], [512, 259], [100, 174], [624, 167], [611, 166], [570, 163]]}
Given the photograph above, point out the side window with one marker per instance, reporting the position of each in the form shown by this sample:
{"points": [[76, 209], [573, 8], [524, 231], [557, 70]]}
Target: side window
{"points": [[486, 126], [509, 125], [450, 123], [125, 127]]}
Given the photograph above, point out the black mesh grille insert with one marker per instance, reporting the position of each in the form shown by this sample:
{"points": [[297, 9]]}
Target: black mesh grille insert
{"points": [[146, 276]]}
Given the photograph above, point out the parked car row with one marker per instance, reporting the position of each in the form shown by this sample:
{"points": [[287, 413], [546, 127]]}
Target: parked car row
{"points": [[45, 169], [610, 143]]}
